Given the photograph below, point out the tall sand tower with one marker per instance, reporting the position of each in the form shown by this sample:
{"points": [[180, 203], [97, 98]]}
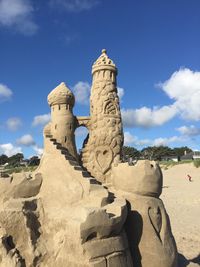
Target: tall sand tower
{"points": [[103, 147]]}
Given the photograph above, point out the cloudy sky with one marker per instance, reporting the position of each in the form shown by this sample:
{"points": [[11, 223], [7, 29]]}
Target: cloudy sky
{"points": [[155, 45]]}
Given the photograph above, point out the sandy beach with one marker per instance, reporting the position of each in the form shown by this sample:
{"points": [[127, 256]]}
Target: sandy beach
{"points": [[182, 201]]}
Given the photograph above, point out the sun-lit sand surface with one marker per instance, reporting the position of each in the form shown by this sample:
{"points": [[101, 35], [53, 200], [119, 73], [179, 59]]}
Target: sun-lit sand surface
{"points": [[182, 201]]}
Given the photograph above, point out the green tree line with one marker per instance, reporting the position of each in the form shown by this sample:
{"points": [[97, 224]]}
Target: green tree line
{"points": [[17, 159], [155, 152]]}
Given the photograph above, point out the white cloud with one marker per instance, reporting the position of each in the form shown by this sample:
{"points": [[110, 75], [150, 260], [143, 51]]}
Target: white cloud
{"points": [[14, 124], [146, 117], [26, 140], [74, 5], [41, 119], [120, 92], [167, 141], [17, 14], [9, 150], [184, 88], [189, 130], [5, 92], [82, 92], [130, 139], [39, 151]]}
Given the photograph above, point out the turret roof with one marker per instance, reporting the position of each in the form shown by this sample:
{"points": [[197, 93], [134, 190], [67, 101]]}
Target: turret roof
{"points": [[61, 95], [103, 62]]}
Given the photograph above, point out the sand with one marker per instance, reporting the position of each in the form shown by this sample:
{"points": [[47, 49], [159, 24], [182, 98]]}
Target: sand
{"points": [[182, 201]]}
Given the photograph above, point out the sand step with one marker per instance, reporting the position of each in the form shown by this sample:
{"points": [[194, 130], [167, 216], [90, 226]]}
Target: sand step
{"points": [[58, 146], [74, 163], [93, 181], [69, 157], [86, 174], [78, 168], [65, 152]]}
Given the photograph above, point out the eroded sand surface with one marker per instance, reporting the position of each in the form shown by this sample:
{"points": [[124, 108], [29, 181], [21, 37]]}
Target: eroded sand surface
{"points": [[182, 201]]}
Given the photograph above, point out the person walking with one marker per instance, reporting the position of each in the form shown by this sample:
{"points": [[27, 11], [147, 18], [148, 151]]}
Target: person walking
{"points": [[189, 177]]}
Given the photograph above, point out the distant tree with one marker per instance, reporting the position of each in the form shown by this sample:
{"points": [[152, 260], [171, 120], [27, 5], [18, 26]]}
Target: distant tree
{"points": [[34, 161], [3, 159], [131, 152], [180, 151], [15, 160], [156, 152]]}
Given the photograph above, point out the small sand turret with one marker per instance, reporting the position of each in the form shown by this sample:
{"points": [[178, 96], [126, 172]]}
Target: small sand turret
{"points": [[61, 101]]}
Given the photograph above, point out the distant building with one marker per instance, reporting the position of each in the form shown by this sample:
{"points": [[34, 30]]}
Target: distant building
{"points": [[188, 156], [191, 155], [24, 162], [196, 155], [4, 165], [170, 158]]}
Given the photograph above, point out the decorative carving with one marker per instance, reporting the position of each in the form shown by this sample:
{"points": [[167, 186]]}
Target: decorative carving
{"points": [[148, 228], [110, 108], [155, 219], [104, 104], [83, 121], [104, 156], [62, 215]]}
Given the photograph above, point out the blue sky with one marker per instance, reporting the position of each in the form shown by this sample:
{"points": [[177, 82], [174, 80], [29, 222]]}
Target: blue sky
{"points": [[155, 45]]}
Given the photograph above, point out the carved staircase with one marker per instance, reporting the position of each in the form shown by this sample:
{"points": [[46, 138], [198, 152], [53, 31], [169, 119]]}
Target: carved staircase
{"points": [[73, 162]]}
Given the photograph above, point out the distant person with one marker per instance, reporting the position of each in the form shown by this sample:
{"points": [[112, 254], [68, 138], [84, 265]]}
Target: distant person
{"points": [[189, 178]]}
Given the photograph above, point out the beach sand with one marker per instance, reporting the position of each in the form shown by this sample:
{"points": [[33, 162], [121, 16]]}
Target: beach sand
{"points": [[182, 201]]}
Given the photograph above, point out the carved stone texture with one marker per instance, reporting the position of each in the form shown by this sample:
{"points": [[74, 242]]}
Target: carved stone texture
{"points": [[80, 219], [27, 188], [103, 147], [9, 255], [83, 121], [62, 215], [149, 233], [147, 225]]}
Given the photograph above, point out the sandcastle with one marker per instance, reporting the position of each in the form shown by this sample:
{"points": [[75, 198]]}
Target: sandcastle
{"points": [[88, 210]]}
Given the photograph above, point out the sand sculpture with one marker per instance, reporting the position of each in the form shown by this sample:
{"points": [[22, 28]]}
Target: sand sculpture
{"points": [[91, 210], [105, 140]]}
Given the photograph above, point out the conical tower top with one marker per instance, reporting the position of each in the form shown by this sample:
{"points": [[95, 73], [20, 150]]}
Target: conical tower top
{"points": [[61, 95], [104, 63]]}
